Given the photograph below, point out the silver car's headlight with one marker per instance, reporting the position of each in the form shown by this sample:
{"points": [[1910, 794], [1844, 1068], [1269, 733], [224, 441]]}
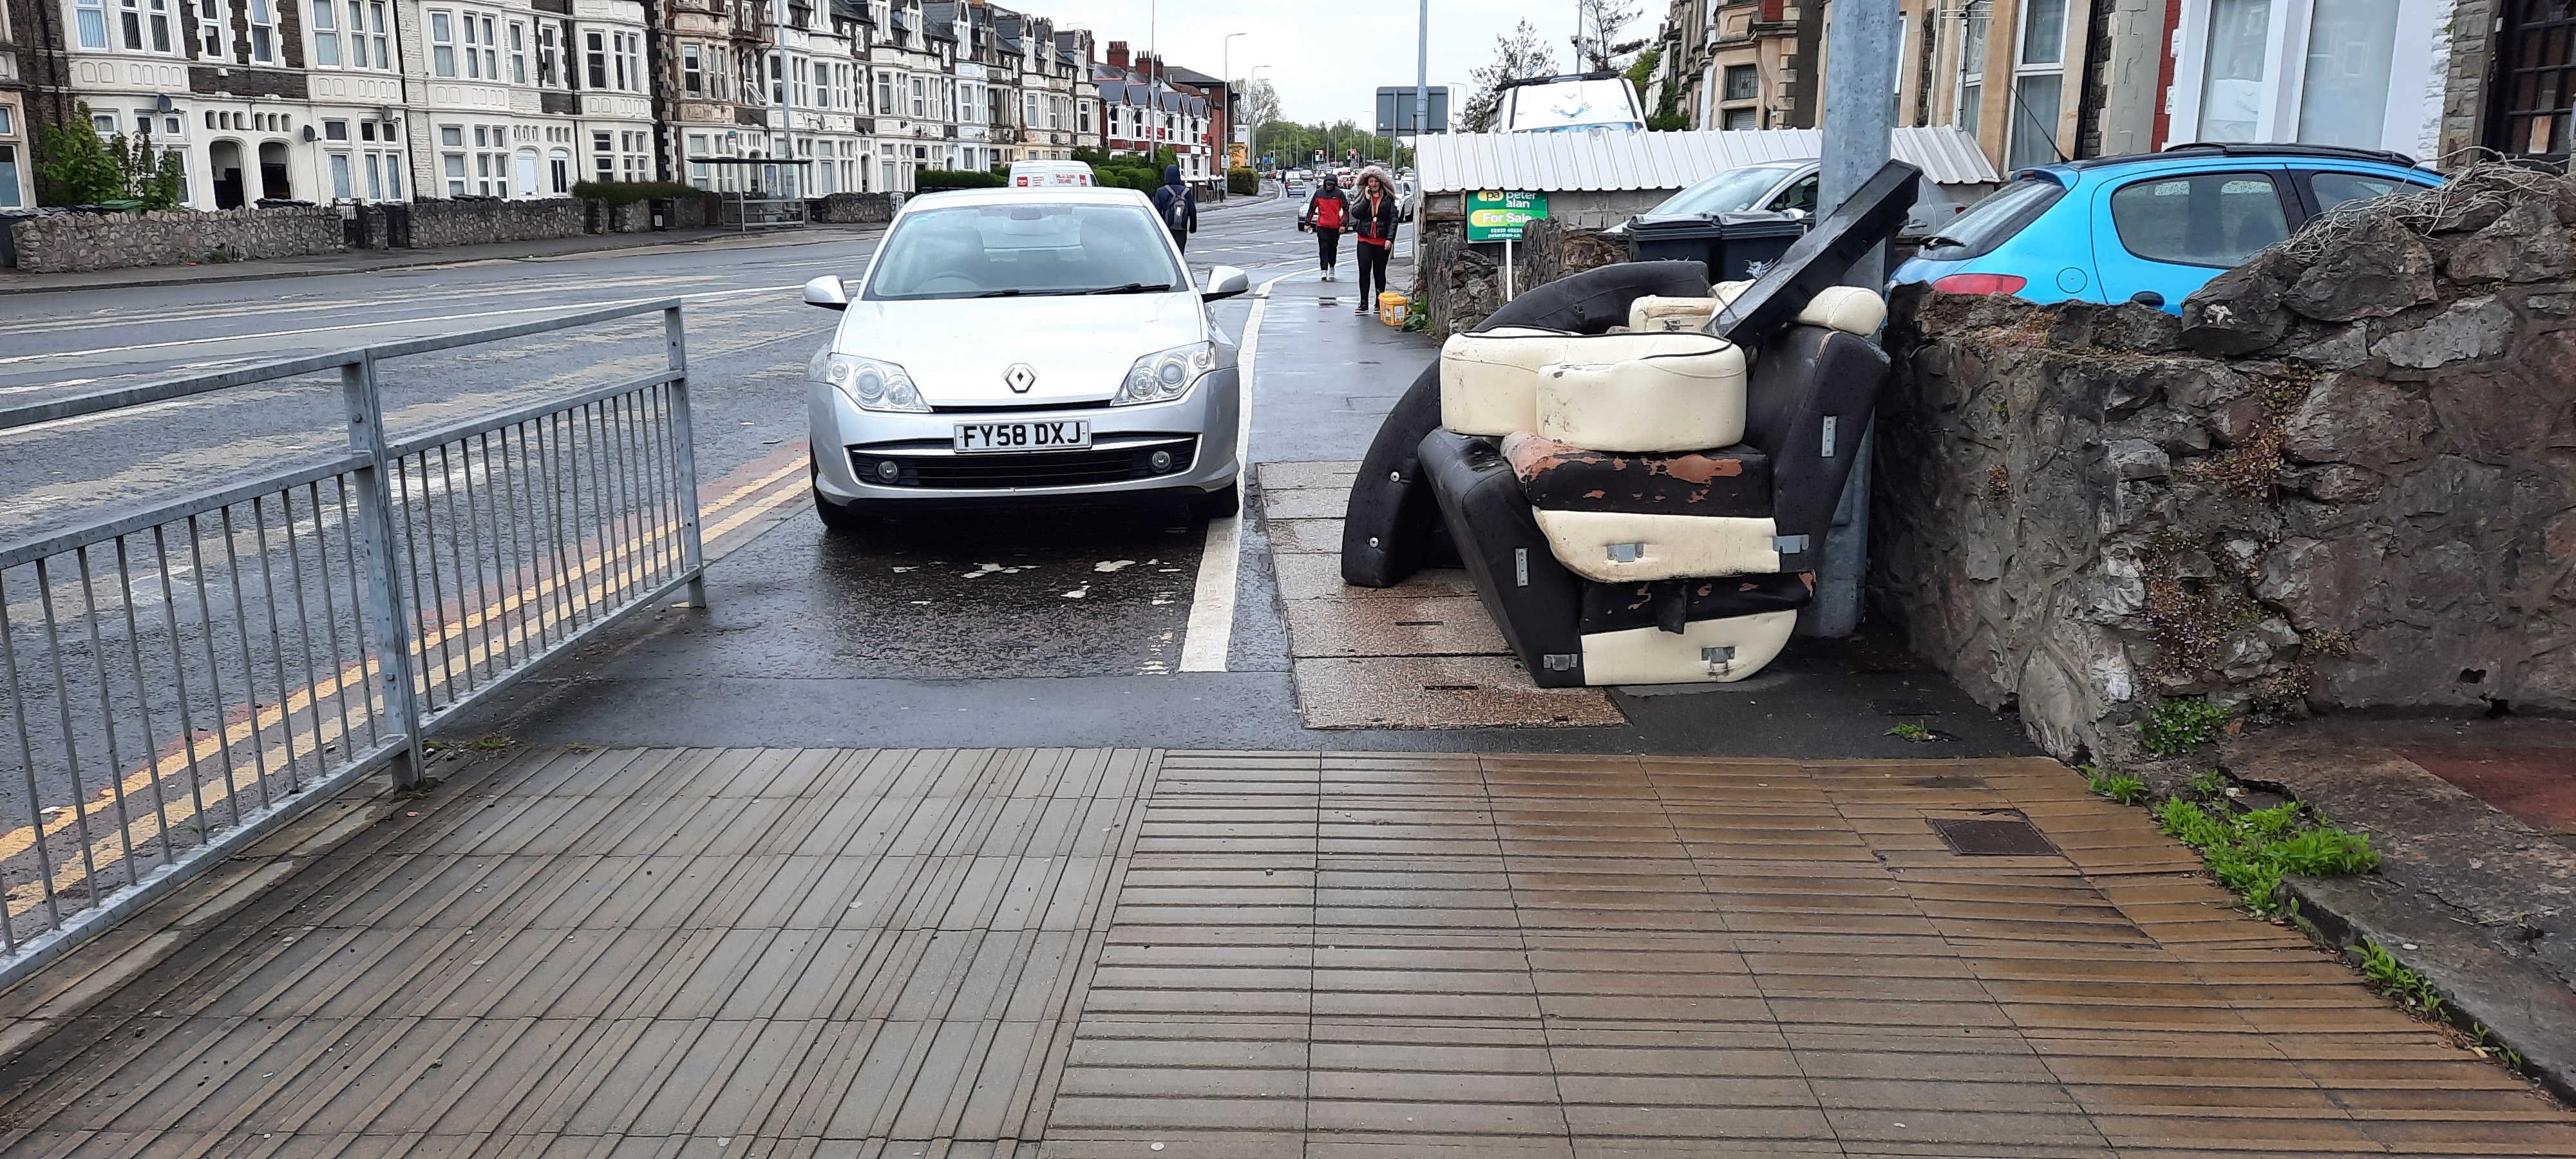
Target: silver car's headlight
{"points": [[870, 384], [1165, 374]]}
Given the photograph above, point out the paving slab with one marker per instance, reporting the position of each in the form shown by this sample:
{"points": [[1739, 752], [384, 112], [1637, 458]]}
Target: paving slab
{"points": [[1091, 952], [2478, 897]]}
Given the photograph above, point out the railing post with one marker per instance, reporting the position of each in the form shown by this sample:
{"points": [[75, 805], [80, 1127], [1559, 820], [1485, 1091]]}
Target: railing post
{"points": [[391, 638], [692, 548]]}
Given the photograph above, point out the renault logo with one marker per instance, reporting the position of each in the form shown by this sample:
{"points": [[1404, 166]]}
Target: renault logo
{"points": [[1021, 376]]}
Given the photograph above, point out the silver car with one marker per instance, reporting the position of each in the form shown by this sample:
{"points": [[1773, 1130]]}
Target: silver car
{"points": [[1024, 344]]}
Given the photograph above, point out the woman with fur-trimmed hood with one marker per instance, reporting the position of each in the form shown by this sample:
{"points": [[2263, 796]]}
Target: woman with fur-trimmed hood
{"points": [[1373, 216]]}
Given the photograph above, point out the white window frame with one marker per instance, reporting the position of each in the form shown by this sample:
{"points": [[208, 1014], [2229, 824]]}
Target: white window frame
{"points": [[2409, 110], [89, 24], [322, 20], [263, 31], [442, 43], [518, 52], [630, 60], [210, 30], [2022, 118]]}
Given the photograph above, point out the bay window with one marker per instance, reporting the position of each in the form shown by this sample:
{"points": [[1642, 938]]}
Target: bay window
{"points": [[693, 77]]}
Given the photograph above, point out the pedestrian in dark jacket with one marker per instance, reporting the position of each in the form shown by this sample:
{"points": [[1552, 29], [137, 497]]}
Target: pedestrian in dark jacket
{"points": [[1373, 214], [1326, 213], [1179, 213]]}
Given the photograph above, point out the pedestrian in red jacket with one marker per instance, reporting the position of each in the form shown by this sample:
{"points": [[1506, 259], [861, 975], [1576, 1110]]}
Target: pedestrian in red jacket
{"points": [[1373, 215], [1325, 214]]}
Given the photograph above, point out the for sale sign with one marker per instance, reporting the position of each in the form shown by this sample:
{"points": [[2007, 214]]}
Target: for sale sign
{"points": [[1494, 215]]}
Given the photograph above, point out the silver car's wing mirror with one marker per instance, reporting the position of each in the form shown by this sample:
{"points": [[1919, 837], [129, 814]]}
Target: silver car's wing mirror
{"points": [[1222, 282], [827, 292]]}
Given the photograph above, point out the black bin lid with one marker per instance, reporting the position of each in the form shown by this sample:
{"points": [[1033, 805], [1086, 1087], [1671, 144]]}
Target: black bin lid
{"points": [[1743, 225]]}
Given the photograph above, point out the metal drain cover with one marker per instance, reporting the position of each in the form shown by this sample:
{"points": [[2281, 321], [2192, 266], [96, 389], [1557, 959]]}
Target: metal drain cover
{"points": [[1993, 837]]}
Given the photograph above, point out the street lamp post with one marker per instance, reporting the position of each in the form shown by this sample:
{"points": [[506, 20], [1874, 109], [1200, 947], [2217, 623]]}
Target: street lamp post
{"points": [[1249, 76], [1421, 82], [1225, 69]]}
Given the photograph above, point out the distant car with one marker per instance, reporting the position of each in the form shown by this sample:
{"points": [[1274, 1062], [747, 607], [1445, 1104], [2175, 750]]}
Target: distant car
{"points": [[1297, 188], [1557, 104], [2148, 227], [1050, 174], [1090, 366], [1407, 196], [1790, 187]]}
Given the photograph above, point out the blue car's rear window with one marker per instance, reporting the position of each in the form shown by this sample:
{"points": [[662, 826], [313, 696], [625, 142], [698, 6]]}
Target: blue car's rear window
{"points": [[1993, 221]]}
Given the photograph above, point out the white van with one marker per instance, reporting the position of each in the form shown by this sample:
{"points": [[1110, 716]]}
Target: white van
{"points": [[1557, 104], [1049, 174]]}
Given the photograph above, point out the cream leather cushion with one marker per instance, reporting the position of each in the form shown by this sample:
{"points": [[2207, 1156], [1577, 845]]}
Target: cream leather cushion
{"points": [[1704, 651], [1850, 309], [1659, 315], [1663, 402], [1489, 381], [1626, 547]]}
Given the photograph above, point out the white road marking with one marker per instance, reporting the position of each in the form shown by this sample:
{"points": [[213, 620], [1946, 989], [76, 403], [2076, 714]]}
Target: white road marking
{"points": [[1211, 630]]}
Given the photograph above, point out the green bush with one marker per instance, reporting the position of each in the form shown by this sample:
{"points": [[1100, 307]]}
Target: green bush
{"points": [[1242, 181], [630, 192], [930, 179]]}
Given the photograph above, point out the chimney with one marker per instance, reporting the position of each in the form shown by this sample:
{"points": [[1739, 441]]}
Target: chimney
{"points": [[1118, 55]]}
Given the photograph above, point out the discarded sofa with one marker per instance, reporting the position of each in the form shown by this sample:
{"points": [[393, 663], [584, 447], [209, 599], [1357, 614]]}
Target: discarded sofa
{"points": [[1639, 493]]}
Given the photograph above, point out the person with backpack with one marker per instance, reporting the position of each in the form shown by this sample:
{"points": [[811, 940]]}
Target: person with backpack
{"points": [[1372, 217], [1325, 213], [1179, 213]]}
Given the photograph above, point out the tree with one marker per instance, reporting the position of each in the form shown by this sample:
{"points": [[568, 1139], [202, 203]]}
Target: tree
{"points": [[152, 176], [1516, 57], [1256, 103], [1664, 111], [78, 168], [75, 167], [1597, 24]]}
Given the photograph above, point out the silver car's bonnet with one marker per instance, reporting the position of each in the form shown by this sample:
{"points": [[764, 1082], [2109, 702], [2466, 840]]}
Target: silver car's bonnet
{"points": [[959, 351]]}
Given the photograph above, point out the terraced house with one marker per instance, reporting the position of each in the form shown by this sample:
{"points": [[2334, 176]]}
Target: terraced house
{"points": [[388, 100]]}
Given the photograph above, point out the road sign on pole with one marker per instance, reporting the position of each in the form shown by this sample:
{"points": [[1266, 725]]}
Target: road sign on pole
{"points": [[1395, 111]]}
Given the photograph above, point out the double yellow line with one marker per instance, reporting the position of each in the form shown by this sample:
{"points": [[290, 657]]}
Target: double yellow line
{"points": [[720, 515]]}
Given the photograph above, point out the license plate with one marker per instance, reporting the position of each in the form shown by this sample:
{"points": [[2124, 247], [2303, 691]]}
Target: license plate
{"points": [[1051, 435]]}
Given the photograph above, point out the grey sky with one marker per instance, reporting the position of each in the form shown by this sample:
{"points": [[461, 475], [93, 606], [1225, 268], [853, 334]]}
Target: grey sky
{"points": [[1327, 57]]}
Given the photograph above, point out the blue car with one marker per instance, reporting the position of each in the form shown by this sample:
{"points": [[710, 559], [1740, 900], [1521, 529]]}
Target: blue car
{"points": [[2149, 227]]}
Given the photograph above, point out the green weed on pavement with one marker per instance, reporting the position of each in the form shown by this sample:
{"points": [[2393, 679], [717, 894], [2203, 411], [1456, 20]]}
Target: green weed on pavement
{"points": [[2251, 852]]}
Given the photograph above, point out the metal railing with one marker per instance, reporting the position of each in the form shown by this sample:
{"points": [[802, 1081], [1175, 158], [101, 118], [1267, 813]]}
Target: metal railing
{"points": [[181, 680]]}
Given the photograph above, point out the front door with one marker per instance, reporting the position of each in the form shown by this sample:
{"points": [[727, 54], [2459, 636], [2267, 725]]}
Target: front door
{"points": [[2535, 86]]}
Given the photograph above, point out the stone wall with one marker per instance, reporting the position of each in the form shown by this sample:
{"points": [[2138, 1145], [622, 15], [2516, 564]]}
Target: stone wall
{"points": [[70, 242], [1464, 282], [438, 224], [2343, 480], [851, 208]]}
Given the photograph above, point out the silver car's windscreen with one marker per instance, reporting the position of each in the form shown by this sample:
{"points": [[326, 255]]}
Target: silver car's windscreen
{"points": [[995, 251], [1728, 192]]}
